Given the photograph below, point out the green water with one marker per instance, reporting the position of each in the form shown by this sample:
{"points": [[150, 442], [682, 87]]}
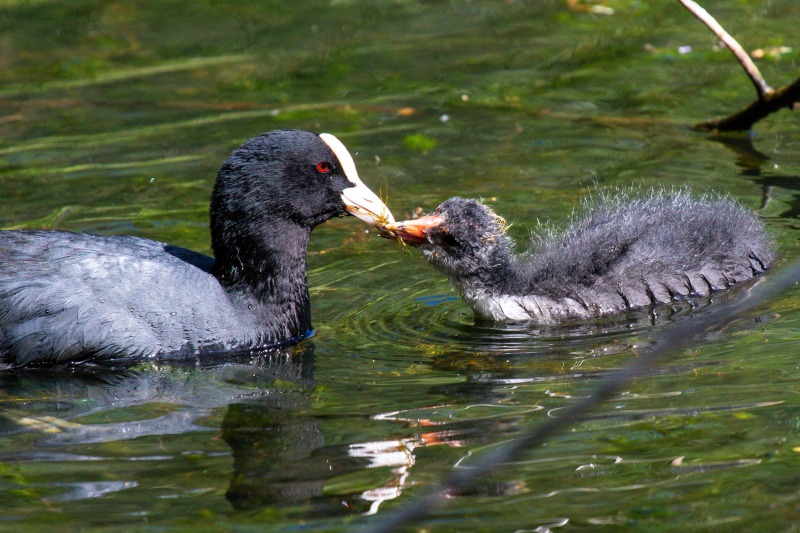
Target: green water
{"points": [[114, 117]]}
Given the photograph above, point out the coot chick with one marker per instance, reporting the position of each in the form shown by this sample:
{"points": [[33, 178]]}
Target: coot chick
{"points": [[69, 298], [624, 252]]}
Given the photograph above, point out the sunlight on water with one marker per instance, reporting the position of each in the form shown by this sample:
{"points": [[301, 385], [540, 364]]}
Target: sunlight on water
{"points": [[114, 119]]}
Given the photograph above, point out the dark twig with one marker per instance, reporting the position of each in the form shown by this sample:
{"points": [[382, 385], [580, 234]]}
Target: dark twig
{"points": [[680, 336], [769, 99], [787, 96]]}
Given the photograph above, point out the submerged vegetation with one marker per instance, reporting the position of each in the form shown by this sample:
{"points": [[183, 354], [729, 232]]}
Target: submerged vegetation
{"points": [[114, 117]]}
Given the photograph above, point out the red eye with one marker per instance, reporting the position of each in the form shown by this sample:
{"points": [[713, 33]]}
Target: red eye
{"points": [[324, 167]]}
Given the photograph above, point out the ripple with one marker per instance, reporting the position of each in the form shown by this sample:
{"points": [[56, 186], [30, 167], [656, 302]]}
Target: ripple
{"points": [[84, 490], [414, 318], [446, 414]]}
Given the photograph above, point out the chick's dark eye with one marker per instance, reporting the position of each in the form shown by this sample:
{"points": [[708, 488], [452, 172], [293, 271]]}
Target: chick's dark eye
{"points": [[448, 240], [324, 167]]}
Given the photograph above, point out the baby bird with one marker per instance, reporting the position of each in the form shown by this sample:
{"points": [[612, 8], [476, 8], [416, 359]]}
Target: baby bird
{"points": [[624, 252]]}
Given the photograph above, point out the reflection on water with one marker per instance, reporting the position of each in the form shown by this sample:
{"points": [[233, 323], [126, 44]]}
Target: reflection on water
{"points": [[151, 402], [757, 164], [280, 452], [114, 119], [278, 447], [272, 443], [275, 448], [80, 491]]}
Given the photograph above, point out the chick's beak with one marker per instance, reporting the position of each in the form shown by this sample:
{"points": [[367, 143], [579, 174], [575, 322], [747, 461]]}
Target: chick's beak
{"points": [[359, 200], [414, 231]]}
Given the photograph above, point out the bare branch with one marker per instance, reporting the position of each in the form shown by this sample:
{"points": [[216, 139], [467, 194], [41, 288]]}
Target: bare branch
{"points": [[733, 45], [681, 336], [769, 100], [787, 96]]}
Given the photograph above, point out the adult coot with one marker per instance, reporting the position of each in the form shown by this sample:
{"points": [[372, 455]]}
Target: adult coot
{"points": [[68, 298], [625, 251]]}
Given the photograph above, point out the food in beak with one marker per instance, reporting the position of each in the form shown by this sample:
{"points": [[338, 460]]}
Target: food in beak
{"points": [[413, 231], [359, 200]]}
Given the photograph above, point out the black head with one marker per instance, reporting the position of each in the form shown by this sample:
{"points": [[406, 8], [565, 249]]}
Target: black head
{"points": [[286, 178], [462, 237]]}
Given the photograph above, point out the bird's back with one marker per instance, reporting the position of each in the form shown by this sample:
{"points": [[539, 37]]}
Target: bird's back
{"points": [[628, 251], [67, 297]]}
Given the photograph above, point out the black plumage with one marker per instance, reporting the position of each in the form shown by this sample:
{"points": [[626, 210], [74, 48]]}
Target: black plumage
{"points": [[69, 298], [623, 251]]}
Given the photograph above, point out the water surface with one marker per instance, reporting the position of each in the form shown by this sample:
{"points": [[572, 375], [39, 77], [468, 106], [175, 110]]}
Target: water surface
{"points": [[115, 117]]}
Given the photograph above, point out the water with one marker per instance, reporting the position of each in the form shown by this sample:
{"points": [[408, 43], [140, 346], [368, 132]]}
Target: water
{"points": [[115, 117]]}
